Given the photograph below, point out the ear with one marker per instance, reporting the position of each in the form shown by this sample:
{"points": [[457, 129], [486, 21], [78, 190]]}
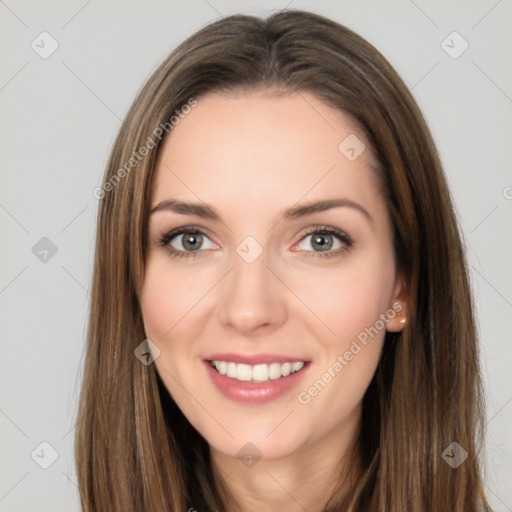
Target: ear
{"points": [[399, 305]]}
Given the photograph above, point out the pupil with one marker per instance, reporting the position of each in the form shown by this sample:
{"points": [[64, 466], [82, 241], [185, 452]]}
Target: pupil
{"points": [[324, 245], [192, 241]]}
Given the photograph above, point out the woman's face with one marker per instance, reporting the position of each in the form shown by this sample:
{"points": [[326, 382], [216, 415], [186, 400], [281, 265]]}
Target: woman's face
{"points": [[244, 283]]}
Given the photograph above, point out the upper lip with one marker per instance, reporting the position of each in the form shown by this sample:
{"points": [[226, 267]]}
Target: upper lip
{"points": [[254, 359]]}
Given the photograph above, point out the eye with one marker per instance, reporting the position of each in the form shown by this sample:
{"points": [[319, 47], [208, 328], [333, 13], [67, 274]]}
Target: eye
{"points": [[326, 238], [185, 242]]}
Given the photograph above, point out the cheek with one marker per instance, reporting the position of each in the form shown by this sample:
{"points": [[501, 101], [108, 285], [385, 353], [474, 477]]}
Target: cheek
{"points": [[347, 359], [348, 299], [167, 296], [155, 304], [160, 299]]}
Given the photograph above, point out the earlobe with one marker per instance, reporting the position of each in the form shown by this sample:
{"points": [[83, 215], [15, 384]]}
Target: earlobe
{"points": [[397, 321], [399, 306]]}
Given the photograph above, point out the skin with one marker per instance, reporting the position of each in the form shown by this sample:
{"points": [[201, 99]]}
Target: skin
{"points": [[251, 156]]}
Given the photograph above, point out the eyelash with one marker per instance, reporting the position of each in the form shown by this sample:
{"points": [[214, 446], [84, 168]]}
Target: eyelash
{"points": [[164, 241]]}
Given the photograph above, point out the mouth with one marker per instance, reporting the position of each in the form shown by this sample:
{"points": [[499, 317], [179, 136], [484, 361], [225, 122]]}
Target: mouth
{"points": [[258, 373], [259, 383]]}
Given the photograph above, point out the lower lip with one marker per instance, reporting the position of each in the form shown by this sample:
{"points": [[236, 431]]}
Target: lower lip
{"points": [[252, 392]]}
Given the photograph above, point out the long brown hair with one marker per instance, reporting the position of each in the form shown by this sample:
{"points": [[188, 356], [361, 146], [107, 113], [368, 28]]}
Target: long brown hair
{"points": [[134, 448]]}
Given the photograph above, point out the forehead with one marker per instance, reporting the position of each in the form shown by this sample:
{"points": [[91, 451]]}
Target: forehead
{"points": [[255, 145]]}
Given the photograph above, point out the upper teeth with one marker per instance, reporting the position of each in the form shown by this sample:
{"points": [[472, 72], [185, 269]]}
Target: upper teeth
{"points": [[257, 373]]}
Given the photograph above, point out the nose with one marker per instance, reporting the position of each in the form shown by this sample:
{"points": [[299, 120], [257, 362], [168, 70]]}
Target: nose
{"points": [[252, 297]]}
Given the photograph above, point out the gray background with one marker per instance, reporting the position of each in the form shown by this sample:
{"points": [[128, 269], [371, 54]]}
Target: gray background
{"points": [[59, 117]]}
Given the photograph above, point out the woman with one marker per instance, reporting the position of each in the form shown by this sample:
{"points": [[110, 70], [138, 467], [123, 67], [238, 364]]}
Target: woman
{"points": [[281, 315]]}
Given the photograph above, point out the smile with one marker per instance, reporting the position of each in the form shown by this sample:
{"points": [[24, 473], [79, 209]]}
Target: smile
{"points": [[256, 383], [258, 372]]}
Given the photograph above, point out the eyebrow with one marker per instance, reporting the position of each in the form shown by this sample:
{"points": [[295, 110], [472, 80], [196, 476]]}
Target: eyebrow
{"points": [[207, 211]]}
